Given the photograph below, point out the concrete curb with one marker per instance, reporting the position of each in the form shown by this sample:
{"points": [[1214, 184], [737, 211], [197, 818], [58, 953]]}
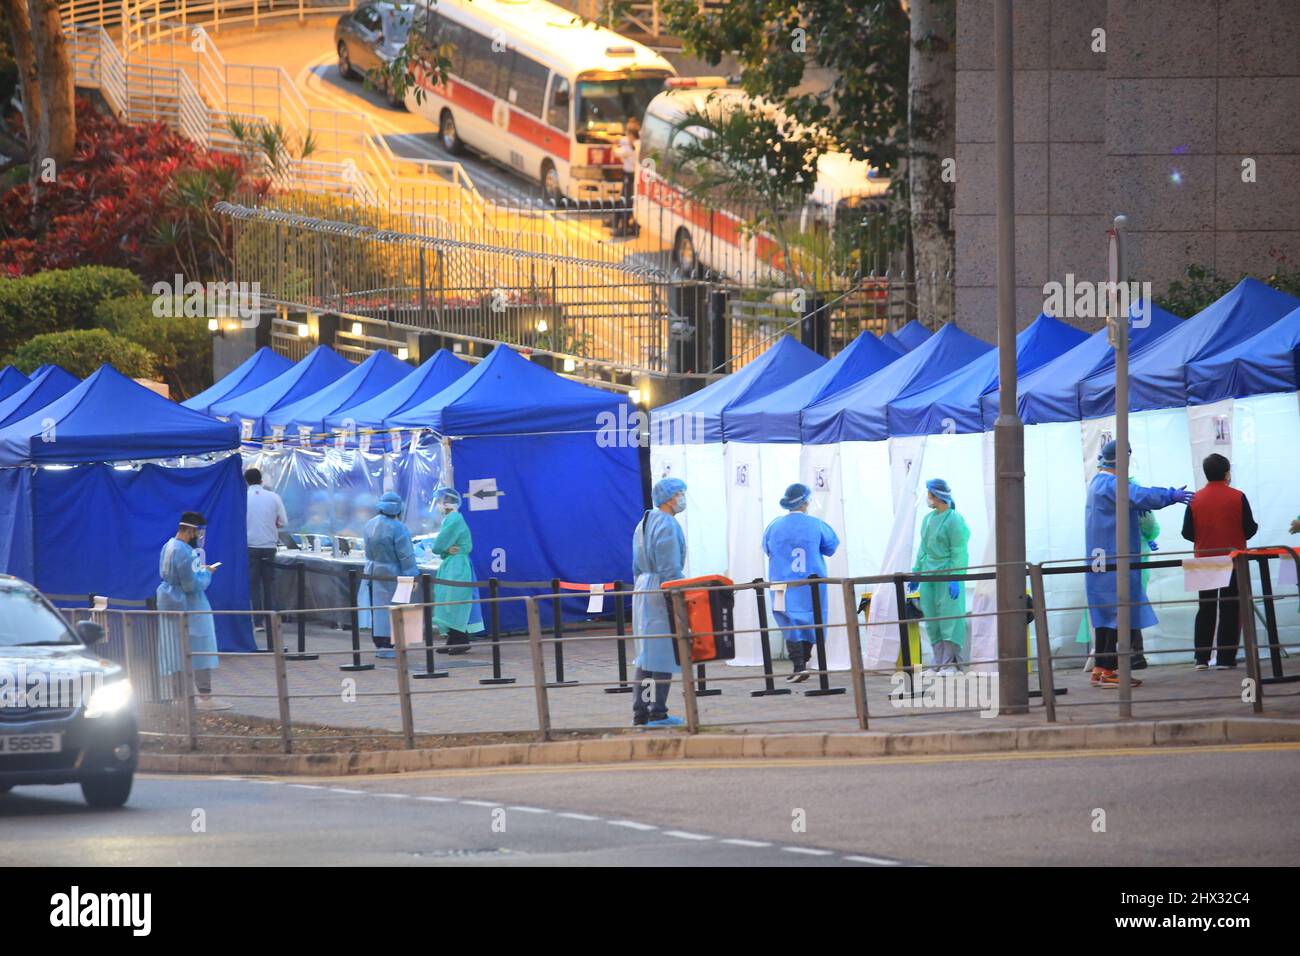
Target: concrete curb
{"points": [[1133, 734]]}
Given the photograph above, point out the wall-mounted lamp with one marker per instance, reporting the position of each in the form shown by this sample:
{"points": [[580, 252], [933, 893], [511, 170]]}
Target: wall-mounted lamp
{"points": [[214, 325], [403, 353], [542, 326], [356, 328], [635, 395], [303, 330], [570, 365]]}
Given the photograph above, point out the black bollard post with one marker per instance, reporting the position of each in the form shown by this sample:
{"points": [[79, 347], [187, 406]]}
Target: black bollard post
{"points": [[701, 684], [354, 589], [494, 591], [302, 654], [426, 597], [900, 593], [558, 632], [620, 627], [824, 678], [770, 689]]}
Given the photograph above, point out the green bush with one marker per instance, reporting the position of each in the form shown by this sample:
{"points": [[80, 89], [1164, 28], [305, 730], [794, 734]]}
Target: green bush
{"points": [[81, 351], [58, 300], [1202, 286], [181, 345]]}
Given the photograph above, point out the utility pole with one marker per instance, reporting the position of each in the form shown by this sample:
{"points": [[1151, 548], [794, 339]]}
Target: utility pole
{"points": [[1118, 323], [1009, 430]]}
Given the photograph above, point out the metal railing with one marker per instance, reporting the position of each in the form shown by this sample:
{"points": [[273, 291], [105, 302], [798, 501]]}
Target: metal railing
{"points": [[155, 649]]}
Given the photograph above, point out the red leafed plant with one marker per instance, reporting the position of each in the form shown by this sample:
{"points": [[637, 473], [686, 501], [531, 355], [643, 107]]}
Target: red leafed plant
{"points": [[138, 197]]}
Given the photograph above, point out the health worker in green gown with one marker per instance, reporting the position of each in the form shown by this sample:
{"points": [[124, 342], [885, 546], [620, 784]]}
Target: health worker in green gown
{"points": [[944, 537], [453, 612]]}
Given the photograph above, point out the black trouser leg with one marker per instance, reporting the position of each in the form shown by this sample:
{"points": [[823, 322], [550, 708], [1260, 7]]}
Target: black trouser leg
{"points": [[1203, 630], [798, 654], [1107, 642], [650, 700], [1229, 622]]}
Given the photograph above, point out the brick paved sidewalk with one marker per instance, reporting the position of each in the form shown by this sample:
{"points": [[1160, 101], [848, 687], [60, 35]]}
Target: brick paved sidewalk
{"points": [[459, 704]]}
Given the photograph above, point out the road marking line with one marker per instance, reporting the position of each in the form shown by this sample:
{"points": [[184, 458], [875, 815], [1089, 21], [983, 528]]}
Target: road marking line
{"points": [[346, 790], [738, 842], [395, 796], [632, 825], [307, 786], [806, 849], [437, 799], [683, 835], [529, 809], [578, 816], [479, 803], [872, 859]]}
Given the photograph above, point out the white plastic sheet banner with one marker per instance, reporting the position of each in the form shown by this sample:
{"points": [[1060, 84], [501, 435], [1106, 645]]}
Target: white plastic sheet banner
{"points": [[744, 513], [1206, 574], [408, 629], [596, 603], [1209, 435], [1286, 573], [402, 593], [880, 641]]}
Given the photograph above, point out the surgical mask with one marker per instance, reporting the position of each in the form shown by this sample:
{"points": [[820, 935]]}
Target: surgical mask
{"points": [[445, 508], [679, 504]]}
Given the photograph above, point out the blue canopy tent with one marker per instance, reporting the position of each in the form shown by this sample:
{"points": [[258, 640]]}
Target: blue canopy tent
{"points": [[953, 403], [320, 367], [549, 471], [431, 377], [11, 380], [372, 377], [775, 417], [1268, 361], [45, 387], [1050, 393], [780, 365], [258, 369], [859, 412], [91, 452], [890, 339], [913, 335], [1158, 377]]}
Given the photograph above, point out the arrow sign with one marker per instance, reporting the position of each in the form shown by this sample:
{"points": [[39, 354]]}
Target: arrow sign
{"points": [[483, 494]]}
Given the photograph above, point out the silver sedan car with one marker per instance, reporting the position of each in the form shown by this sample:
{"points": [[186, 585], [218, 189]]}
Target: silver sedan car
{"points": [[369, 37]]}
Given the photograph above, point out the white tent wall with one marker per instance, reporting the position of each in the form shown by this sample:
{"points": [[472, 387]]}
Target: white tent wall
{"points": [[867, 491], [821, 468], [880, 642], [706, 512], [744, 510], [1266, 442], [983, 597]]}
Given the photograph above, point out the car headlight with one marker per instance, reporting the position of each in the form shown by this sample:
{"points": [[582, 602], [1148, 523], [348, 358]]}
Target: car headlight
{"points": [[109, 699]]}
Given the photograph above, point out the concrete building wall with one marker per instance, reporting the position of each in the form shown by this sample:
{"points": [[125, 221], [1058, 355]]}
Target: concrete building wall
{"points": [[1155, 127]]}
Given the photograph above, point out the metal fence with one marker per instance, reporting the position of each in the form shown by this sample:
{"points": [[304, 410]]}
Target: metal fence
{"points": [[535, 695]]}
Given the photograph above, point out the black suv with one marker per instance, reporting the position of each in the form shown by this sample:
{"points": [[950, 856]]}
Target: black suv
{"points": [[66, 715]]}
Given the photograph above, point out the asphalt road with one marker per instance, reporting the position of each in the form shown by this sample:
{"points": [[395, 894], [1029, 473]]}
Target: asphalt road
{"points": [[1167, 807]]}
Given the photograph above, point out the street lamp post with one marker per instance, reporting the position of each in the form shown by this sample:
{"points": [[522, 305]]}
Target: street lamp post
{"points": [[1119, 339], [1008, 431]]}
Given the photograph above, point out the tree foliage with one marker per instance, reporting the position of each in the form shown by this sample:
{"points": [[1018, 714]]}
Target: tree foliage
{"points": [[82, 351]]}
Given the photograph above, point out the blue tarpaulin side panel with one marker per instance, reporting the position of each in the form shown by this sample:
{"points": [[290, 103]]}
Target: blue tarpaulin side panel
{"points": [[256, 370], [321, 366], [433, 375], [775, 417], [16, 522], [508, 394], [50, 383], [913, 335], [11, 380], [109, 417], [858, 413], [780, 365], [1266, 362], [584, 535], [1051, 393], [953, 403], [135, 512], [1158, 377], [373, 376]]}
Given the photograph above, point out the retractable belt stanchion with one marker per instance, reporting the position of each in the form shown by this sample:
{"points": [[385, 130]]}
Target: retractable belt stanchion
{"points": [[824, 688], [620, 626], [769, 689], [302, 654], [354, 590], [426, 597], [557, 615], [494, 590]]}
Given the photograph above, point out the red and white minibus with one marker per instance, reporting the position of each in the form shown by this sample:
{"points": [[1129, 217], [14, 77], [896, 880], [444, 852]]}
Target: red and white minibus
{"points": [[535, 88]]}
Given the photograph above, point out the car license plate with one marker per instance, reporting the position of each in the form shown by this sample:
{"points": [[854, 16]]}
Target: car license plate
{"points": [[30, 743]]}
